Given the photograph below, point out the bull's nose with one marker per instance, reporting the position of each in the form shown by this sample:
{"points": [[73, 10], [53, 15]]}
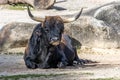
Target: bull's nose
{"points": [[54, 39]]}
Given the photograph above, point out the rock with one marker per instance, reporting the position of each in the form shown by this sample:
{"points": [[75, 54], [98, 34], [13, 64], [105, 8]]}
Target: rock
{"points": [[98, 29], [14, 35], [101, 30], [16, 1], [37, 4], [111, 15], [87, 31], [3, 2], [93, 33], [41, 4]]}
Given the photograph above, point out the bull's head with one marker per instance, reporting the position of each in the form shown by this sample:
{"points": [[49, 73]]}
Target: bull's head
{"points": [[53, 26]]}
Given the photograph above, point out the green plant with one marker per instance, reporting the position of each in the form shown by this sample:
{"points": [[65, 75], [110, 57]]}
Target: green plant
{"points": [[18, 7], [106, 79], [17, 77]]}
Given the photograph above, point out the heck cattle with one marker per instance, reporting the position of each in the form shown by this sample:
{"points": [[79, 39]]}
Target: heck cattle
{"points": [[48, 47]]}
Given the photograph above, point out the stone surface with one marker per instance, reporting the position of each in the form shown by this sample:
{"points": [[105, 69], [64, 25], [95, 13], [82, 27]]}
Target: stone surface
{"points": [[110, 15], [100, 29], [3, 2], [86, 31], [41, 4], [93, 33], [15, 35], [37, 4]]}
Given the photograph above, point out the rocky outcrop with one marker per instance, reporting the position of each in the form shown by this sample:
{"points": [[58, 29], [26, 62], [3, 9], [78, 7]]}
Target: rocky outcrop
{"points": [[41, 4], [111, 15], [3, 1], [11, 1], [37, 4], [14, 35], [87, 31], [100, 30], [94, 33]]}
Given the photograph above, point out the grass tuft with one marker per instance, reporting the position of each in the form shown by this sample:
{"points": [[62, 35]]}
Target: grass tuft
{"points": [[17, 77], [18, 7], [106, 79]]}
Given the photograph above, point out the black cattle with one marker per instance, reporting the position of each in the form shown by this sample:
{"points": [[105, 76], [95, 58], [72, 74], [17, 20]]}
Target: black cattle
{"points": [[48, 47]]}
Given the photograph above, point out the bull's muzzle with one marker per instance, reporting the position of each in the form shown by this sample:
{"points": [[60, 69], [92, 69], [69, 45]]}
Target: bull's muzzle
{"points": [[55, 41]]}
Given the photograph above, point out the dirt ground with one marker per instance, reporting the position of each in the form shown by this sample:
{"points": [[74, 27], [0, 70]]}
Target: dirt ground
{"points": [[106, 64]]}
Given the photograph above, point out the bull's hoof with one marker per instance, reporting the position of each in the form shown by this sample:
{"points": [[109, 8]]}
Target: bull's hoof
{"points": [[45, 66], [31, 66], [62, 64], [80, 62]]}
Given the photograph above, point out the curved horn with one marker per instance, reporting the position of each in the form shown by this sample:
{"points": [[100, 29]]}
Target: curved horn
{"points": [[74, 18], [34, 17]]}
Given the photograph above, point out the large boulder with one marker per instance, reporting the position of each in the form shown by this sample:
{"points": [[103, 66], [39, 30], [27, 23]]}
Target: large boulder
{"points": [[41, 4], [93, 33], [3, 1], [14, 35], [11, 1], [111, 15], [99, 30], [37, 4]]}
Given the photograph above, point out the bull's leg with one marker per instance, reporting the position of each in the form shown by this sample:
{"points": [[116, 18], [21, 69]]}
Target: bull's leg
{"points": [[45, 64], [30, 63], [77, 60], [63, 62]]}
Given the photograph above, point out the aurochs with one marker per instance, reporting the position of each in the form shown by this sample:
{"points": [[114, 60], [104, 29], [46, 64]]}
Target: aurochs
{"points": [[48, 47]]}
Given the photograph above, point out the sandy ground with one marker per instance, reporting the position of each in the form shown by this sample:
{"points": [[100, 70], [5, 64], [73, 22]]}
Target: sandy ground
{"points": [[107, 66], [107, 63]]}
